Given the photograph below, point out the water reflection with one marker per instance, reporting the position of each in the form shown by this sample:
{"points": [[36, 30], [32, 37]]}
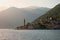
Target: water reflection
{"points": [[7, 34]]}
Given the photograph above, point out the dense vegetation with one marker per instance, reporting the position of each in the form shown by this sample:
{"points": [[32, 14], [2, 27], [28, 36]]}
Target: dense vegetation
{"points": [[54, 12]]}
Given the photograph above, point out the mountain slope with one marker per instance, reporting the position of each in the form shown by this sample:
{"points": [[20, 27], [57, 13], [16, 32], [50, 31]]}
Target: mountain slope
{"points": [[13, 17], [54, 12]]}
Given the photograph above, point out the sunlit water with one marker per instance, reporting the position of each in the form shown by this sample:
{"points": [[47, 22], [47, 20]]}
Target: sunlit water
{"points": [[8, 34]]}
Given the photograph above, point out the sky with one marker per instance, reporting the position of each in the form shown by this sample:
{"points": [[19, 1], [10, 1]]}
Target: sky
{"points": [[26, 3]]}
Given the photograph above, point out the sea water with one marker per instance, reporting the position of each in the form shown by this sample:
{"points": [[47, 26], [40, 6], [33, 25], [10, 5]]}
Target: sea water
{"points": [[9, 34]]}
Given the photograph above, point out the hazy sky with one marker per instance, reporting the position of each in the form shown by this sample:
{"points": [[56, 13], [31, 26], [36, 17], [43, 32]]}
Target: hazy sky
{"points": [[26, 3]]}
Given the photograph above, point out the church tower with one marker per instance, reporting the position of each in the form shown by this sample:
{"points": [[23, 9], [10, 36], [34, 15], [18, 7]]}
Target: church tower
{"points": [[24, 21]]}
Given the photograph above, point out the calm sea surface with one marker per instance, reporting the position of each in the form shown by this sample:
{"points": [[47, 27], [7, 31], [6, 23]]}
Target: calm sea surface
{"points": [[9, 34]]}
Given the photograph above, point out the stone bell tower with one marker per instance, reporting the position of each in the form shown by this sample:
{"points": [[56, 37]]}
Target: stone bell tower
{"points": [[24, 21]]}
